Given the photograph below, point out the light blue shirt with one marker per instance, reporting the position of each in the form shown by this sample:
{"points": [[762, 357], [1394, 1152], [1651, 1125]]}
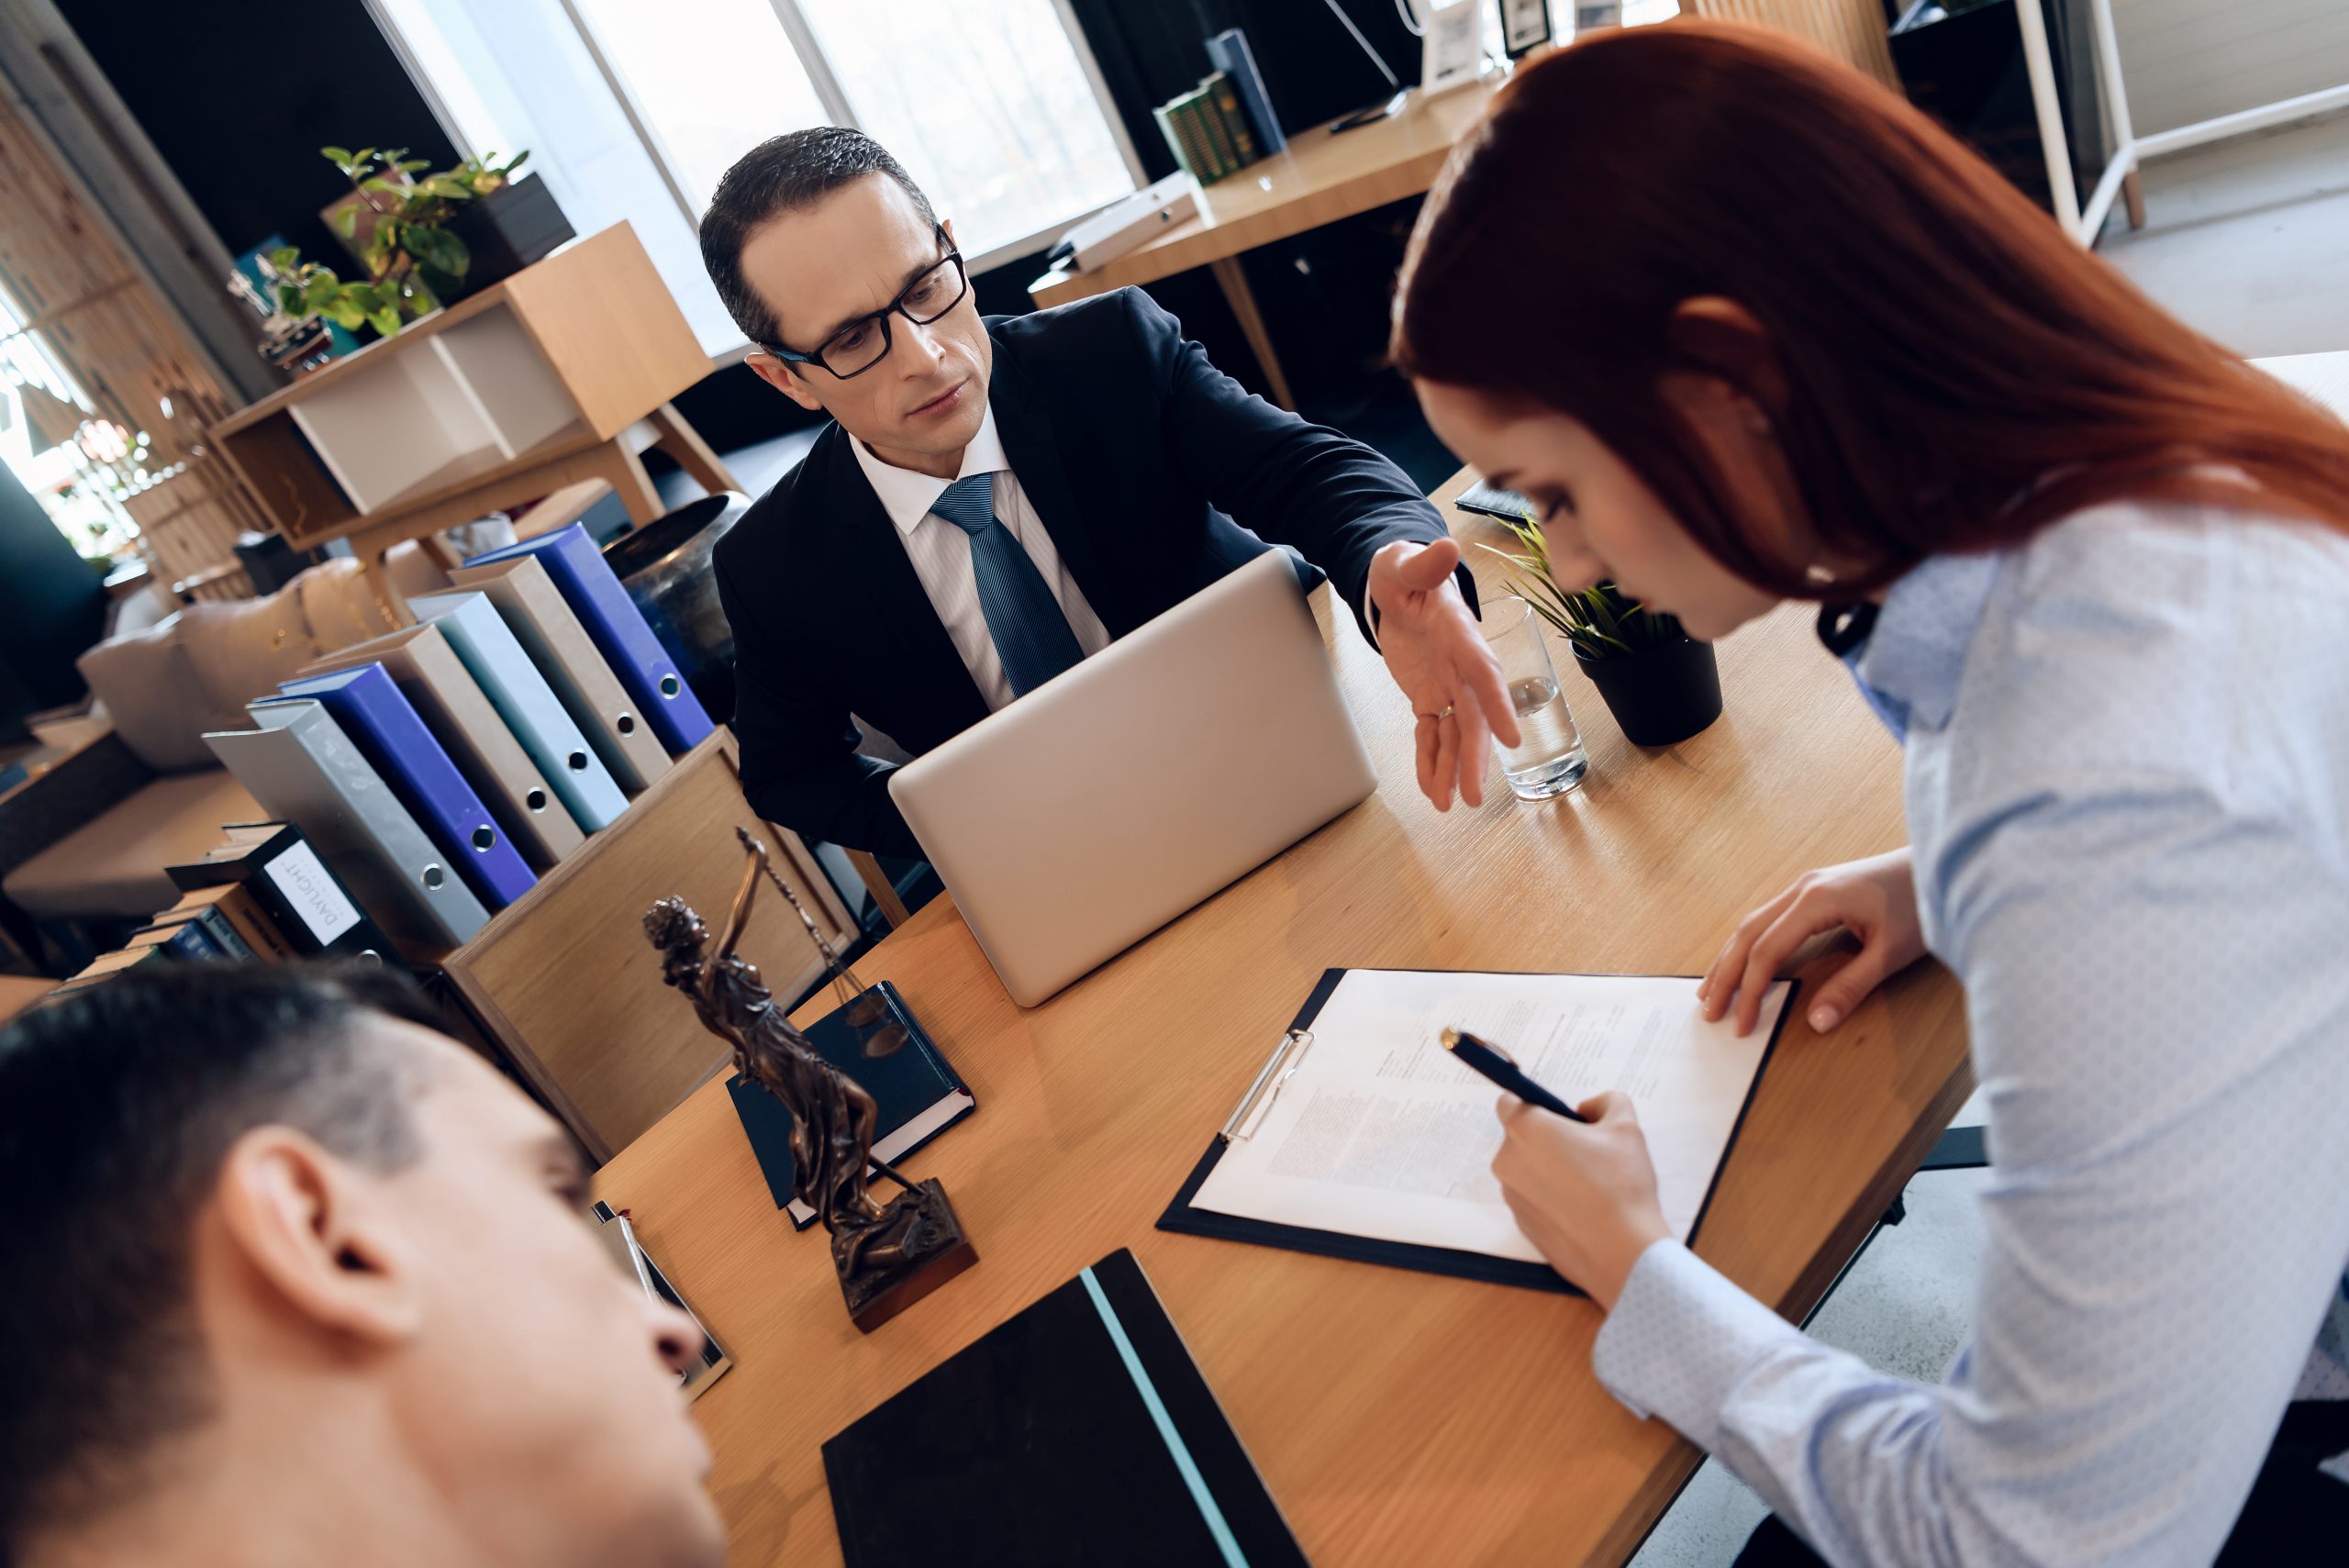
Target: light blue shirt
{"points": [[2128, 792]]}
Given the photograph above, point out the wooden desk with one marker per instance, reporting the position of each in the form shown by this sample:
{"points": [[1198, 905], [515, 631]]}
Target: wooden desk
{"points": [[1320, 179], [1391, 1412], [558, 374]]}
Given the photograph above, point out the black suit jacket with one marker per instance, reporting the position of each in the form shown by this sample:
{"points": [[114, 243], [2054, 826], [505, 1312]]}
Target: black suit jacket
{"points": [[1130, 446]]}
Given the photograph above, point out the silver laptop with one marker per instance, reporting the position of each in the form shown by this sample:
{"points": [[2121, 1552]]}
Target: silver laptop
{"points": [[1107, 801]]}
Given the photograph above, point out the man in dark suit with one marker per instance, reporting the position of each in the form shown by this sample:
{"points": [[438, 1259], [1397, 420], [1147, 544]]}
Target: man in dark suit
{"points": [[998, 497]]}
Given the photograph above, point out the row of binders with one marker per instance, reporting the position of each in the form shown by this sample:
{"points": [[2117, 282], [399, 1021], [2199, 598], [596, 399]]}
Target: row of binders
{"points": [[441, 769]]}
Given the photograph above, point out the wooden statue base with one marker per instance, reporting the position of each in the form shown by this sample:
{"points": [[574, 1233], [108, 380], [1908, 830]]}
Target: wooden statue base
{"points": [[916, 1246]]}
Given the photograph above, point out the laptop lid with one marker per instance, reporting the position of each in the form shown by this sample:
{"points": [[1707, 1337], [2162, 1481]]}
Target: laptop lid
{"points": [[1112, 798]]}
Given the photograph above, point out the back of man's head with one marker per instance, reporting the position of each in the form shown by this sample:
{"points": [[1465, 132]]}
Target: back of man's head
{"points": [[238, 1213], [116, 1105]]}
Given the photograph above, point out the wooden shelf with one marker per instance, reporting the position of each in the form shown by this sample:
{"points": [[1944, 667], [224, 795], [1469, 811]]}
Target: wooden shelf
{"points": [[558, 359], [566, 981], [474, 468]]}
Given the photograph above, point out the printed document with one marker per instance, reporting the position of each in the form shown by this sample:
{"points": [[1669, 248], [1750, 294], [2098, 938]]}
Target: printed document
{"points": [[1377, 1130]]}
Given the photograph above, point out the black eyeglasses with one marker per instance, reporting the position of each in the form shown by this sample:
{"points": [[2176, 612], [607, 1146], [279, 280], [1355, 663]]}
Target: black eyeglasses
{"points": [[865, 342]]}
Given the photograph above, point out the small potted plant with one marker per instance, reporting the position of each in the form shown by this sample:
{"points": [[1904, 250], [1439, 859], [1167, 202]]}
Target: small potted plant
{"points": [[1660, 684], [509, 223], [414, 263]]}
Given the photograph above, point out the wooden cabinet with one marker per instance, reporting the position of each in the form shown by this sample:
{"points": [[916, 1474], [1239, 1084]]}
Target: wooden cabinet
{"points": [[562, 373]]}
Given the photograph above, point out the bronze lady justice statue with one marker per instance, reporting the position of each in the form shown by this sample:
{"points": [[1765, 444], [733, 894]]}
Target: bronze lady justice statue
{"points": [[888, 1255]]}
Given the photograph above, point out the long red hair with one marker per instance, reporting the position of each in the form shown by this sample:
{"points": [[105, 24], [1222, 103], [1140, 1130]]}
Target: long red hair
{"points": [[1956, 373]]}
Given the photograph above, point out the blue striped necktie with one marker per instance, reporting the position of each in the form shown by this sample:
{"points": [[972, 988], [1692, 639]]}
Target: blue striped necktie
{"points": [[1030, 632]]}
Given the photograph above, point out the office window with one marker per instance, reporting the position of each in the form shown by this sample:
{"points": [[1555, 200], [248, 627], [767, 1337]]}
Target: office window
{"points": [[986, 106], [508, 74], [711, 79], [74, 462], [633, 110]]}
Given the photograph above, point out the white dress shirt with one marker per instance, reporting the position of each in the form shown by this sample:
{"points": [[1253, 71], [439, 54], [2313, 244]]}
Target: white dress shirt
{"points": [[2128, 790], [941, 554]]}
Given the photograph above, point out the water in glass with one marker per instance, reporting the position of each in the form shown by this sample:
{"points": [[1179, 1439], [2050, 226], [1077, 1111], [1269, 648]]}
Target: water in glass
{"points": [[1549, 758]]}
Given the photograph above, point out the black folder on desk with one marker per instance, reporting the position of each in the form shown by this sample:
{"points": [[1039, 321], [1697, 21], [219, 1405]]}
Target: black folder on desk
{"points": [[1181, 1217], [916, 1091], [1079, 1433]]}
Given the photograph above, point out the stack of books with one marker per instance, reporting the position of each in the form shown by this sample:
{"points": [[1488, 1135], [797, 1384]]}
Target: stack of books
{"points": [[1208, 130], [270, 881], [260, 896], [439, 771]]}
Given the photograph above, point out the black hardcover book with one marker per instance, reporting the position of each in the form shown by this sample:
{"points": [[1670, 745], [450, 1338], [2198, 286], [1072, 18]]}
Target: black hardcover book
{"points": [[917, 1092], [1078, 1433], [305, 900], [1227, 50]]}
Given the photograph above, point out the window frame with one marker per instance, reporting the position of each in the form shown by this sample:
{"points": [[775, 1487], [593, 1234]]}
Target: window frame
{"points": [[809, 50]]}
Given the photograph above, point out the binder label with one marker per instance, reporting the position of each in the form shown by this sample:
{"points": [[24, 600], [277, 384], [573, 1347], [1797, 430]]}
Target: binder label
{"points": [[315, 896]]}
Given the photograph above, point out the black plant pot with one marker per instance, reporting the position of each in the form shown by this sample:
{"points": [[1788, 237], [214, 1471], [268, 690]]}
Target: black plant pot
{"points": [[508, 230], [1659, 695]]}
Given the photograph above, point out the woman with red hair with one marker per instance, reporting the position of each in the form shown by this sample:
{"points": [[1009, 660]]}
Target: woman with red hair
{"points": [[1747, 327]]}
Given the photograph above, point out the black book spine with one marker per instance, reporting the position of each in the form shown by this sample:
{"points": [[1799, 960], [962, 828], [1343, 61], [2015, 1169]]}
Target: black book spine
{"points": [[363, 940]]}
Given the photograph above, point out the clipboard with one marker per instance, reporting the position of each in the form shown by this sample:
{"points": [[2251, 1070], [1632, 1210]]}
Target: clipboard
{"points": [[1182, 1219]]}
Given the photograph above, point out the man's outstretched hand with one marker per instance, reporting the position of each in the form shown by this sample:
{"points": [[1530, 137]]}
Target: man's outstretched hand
{"points": [[1439, 658]]}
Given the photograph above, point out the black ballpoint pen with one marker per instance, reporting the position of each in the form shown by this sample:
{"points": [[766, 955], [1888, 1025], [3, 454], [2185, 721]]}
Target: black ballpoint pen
{"points": [[1501, 1067]]}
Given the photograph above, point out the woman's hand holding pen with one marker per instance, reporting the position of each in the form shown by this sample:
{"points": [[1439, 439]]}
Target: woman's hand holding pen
{"points": [[1584, 1194], [1876, 899]]}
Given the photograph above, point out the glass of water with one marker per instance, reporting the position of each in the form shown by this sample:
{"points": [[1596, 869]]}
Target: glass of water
{"points": [[1550, 759]]}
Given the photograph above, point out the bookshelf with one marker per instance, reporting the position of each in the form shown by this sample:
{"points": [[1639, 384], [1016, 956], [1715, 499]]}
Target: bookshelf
{"points": [[560, 373]]}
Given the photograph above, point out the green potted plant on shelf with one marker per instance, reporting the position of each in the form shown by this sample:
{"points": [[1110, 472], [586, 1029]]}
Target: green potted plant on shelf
{"points": [[1660, 684], [413, 260]]}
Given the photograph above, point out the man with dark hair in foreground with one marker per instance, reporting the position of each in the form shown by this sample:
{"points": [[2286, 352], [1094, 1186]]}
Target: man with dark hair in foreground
{"points": [[294, 1279]]}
